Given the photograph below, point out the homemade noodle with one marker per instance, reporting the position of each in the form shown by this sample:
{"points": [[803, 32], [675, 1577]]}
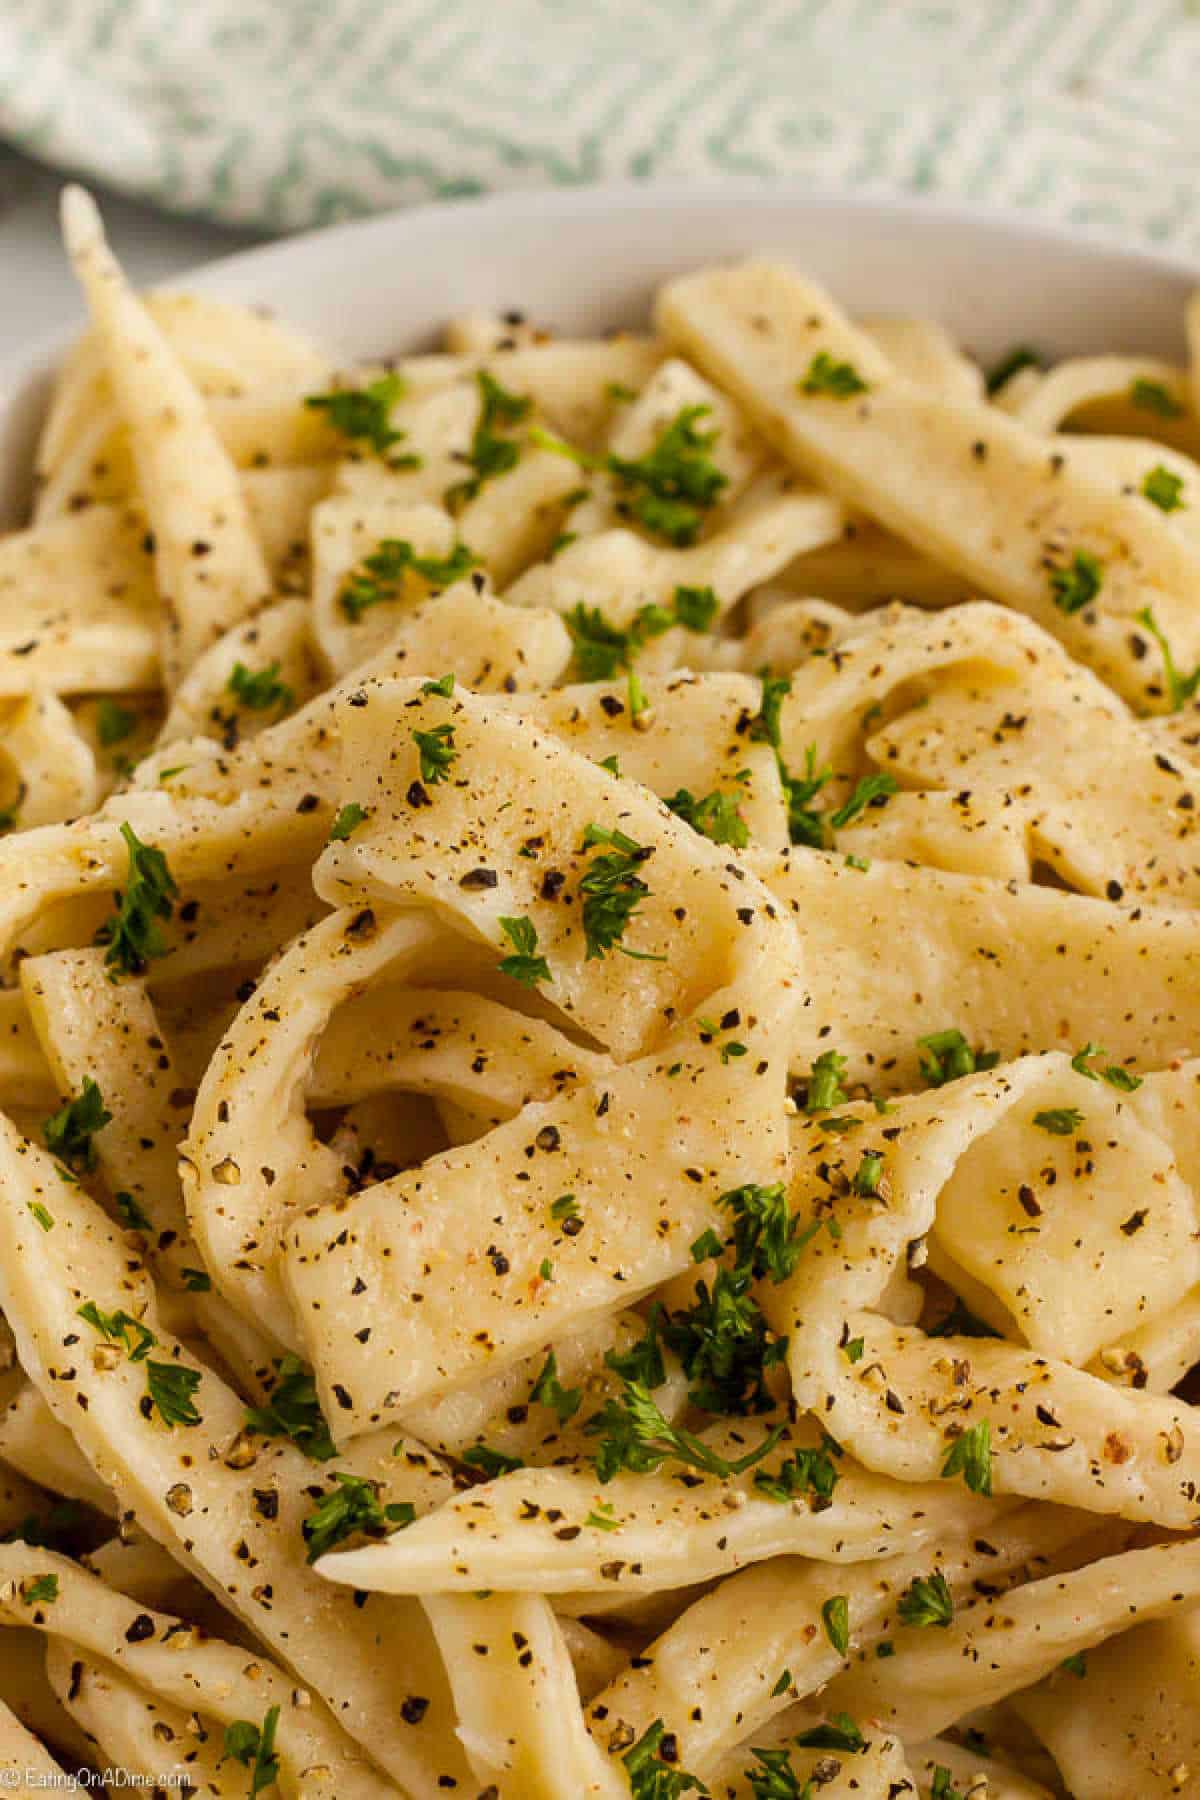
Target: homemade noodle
{"points": [[600, 1059]]}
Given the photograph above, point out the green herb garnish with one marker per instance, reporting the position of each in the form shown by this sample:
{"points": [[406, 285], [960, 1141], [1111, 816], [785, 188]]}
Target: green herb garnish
{"points": [[828, 376], [490, 453], [133, 936], [1018, 358], [170, 1387], [352, 1507], [676, 482], [1180, 688], [524, 965], [1059, 1121], [1152, 396], [927, 1601], [971, 1457], [380, 576], [292, 1410], [437, 753], [1163, 489], [254, 1748], [548, 1390], [68, 1133], [1115, 1076], [349, 818], [1074, 585], [364, 416], [947, 1056], [261, 691], [652, 1767]]}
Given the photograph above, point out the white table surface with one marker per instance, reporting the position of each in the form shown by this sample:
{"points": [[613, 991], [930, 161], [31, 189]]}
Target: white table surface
{"points": [[37, 291]]}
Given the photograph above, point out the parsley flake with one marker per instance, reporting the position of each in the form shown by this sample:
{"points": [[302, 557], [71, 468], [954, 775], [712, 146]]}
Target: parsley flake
{"points": [[947, 1056], [364, 416], [810, 1474], [676, 482], [490, 453], [549, 1391], [1059, 1121], [838, 1733], [492, 1463], [715, 817], [1115, 1076], [652, 1768], [41, 1588], [1075, 1665], [349, 818], [825, 1083], [380, 577], [133, 937], [351, 1508], [254, 1748], [971, 1457], [635, 1435], [1180, 688], [524, 965], [1164, 490], [1153, 397], [437, 753], [117, 1328], [170, 1387], [612, 892], [113, 723], [775, 1779], [1073, 586], [1018, 358], [132, 1215], [43, 1217], [942, 1786], [835, 1616], [261, 691], [68, 1132], [828, 376], [927, 1601], [292, 1410]]}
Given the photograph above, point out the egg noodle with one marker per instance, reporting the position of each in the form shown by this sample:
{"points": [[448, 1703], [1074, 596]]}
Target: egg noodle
{"points": [[600, 1153]]}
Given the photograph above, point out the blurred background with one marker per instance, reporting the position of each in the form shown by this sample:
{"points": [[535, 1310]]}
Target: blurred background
{"points": [[220, 122]]}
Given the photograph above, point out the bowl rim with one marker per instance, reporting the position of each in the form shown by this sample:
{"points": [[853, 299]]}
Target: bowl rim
{"points": [[1024, 230]]}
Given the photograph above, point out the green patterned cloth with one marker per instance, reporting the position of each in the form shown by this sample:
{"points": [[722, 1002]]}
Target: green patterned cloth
{"points": [[284, 113]]}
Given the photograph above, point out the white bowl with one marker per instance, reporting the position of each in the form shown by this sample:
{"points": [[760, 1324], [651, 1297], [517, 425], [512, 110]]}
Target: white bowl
{"points": [[584, 259]]}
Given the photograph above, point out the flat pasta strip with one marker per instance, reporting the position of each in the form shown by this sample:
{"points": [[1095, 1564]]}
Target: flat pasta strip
{"points": [[1008, 517], [210, 570], [252, 1553], [182, 1669]]}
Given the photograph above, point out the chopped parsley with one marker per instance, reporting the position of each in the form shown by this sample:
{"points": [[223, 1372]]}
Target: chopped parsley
{"points": [[113, 723], [492, 1463], [1075, 1665], [68, 1132], [825, 1083], [133, 937], [41, 1588], [838, 1733], [835, 1616], [652, 1767], [1060, 1121], [828, 376], [1163, 489], [612, 891], [261, 691], [132, 1215], [437, 753], [775, 1779], [602, 1518], [710, 1031], [43, 1217], [117, 1328], [942, 1786], [549, 1391], [444, 685], [490, 454], [947, 1056], [364, 416], [170, 1387], [853, 1349], [1073, 586], [352, 1507], [197, 1281], [380, 576], [565, 1212], [1152, 396], [676, 482], [971, 1457], [715, 817], [1018, 358], [349, 818], [292, 1410], [1180, 688], [927, 1601], [765, 1231], [696, 607], [643, 1361], [524, 965], [866, 1178], [635, 1435], [810, 1474], [254, 1748], [1115, 1076], [872, 790]]}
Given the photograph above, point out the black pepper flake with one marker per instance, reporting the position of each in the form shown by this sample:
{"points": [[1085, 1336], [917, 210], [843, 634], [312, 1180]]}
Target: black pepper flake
{"points": [[342, 1396], [476, 879], [1135, 1221], [308, 803], [1114, 890], [140, 1629], [416, 795], [413, 1709], [266, 1503], [553, 882]]}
